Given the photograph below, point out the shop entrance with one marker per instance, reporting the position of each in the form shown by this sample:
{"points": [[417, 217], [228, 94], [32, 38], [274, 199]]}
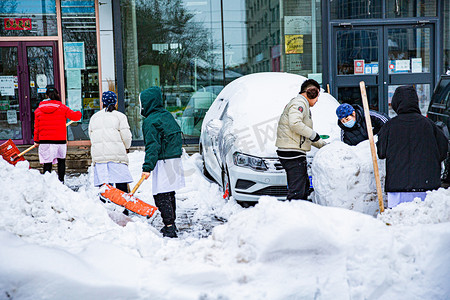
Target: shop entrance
{"points": [[26, 70], [384, 57]]}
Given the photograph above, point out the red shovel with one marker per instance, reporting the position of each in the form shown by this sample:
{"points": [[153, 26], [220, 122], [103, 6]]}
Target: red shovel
{"points": [[127, 200], [10, 152]]}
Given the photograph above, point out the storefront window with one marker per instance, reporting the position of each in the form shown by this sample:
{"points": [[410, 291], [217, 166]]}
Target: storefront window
{"points": [[28, 18], [410, 9], [177, 46], [80, 62], [356, 9]]}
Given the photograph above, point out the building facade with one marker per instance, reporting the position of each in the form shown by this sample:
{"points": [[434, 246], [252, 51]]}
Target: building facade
{"points": [[192, 49]]}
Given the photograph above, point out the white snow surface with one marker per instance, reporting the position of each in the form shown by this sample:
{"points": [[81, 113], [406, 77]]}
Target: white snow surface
{"points": [[56, 243], [343, 176]]}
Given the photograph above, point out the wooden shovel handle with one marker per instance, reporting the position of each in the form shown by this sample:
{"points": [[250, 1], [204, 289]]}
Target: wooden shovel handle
{"points": [[137, 185], [362, 86], [34, 146]]}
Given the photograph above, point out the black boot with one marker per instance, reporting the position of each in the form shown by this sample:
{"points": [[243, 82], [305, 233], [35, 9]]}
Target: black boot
{"points": [[169, 231]]}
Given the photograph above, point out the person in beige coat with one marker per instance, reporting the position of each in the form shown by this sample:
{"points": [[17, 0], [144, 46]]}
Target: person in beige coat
{"points": [[110, 138], [295, 135]]}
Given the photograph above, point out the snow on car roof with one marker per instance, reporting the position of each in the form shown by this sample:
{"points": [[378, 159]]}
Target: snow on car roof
{"points": [[256, 102]]}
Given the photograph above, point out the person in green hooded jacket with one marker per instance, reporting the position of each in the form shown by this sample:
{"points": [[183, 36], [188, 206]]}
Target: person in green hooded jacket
{"points": [[163, 149]]}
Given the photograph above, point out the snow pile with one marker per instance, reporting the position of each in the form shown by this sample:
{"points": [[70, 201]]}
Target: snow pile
{"points": [[59, 244], [343, 177], [434, 209]]}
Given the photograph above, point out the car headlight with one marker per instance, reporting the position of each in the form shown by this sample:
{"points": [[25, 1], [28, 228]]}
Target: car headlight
{"points": [[253, 162]]}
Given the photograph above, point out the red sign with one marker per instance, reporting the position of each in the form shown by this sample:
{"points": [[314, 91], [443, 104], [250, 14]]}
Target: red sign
{"points": [[358, 66], [18, 24]]}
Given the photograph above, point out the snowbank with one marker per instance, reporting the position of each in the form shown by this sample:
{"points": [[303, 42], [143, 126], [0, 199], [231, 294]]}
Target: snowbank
{"points": [[343, 177], [59, 244]]}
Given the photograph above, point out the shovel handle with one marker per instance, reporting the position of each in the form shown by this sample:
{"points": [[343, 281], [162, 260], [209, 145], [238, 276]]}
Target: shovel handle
{"points": [[137, 185], [34, 146]]}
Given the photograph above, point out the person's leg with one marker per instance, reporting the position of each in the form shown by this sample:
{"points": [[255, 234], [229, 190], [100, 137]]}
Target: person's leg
{"points": [[61, 169], [123, 186], [297, 178], [47, 167], [164, 203]]}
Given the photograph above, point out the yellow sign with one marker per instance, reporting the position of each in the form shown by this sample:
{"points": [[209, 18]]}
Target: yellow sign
{"points": [[294, 43]]}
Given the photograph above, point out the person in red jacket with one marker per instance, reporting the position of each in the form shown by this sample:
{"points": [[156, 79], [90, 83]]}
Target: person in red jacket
{"points": [[50, 133]]}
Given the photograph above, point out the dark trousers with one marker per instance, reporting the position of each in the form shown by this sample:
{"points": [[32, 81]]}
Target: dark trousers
{"points": [[297, 178], [61, 168], [166, 204]]}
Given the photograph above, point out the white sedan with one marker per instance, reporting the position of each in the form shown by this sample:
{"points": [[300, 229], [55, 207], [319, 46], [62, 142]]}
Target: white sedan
{"points": [[237, 140]]}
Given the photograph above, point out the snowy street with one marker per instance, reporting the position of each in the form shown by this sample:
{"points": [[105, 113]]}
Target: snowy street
{"points": [[60, 242]]}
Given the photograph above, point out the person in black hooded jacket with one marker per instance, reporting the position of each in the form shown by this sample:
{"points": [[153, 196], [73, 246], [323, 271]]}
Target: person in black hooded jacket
{"points": [[353, 126], [413, 147]]}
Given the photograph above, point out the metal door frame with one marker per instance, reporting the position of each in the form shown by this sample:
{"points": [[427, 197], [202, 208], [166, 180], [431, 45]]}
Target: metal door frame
{"points": [[24, 84]]}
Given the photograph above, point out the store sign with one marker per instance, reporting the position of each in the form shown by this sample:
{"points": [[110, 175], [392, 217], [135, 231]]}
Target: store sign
{"points": [[17, 24], [294, 44]]}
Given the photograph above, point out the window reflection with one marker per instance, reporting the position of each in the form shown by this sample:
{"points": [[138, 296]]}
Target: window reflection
{"points": [[80, 62], [352, 95], [177, 45], [410, 9], [355, 9], [357, 52]]}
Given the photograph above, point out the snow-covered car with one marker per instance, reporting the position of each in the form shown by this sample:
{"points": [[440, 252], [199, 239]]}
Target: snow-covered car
{"points": [[237, 140]]}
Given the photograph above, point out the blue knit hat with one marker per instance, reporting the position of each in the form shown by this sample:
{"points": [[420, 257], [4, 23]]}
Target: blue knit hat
{"points": [[344, 110], [109, 98]]}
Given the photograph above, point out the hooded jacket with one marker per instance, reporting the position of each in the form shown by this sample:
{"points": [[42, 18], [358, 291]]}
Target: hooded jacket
{"points": [[162, 134], [358, 133], [50, 122], [412, 145]]}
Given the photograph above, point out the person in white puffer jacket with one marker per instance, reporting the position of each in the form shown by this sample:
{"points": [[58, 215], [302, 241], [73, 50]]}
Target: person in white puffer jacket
{"points": [[110, 138]]}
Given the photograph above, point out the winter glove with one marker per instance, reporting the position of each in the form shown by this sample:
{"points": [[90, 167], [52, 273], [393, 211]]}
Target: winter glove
{"points": [[314, 137], [320, 143]]}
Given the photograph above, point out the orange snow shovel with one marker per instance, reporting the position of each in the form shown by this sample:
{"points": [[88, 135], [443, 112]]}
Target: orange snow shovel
{"points": [[10, 152], [128, 201]]}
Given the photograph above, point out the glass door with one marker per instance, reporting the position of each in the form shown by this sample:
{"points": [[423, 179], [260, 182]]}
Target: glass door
{"points": [[358, 53], [410, 61], [11, 116], [26, 70], [384, 57]]}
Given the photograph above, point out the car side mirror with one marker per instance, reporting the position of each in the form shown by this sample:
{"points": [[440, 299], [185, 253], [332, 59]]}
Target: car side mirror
{"points": [[214, 126]]}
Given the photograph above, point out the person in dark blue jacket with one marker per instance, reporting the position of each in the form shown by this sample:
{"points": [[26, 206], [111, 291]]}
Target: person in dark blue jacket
{"points": [[353, 126]]}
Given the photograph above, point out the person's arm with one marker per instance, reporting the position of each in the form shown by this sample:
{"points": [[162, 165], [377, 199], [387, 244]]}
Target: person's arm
{"points": [[73, 115], [296, 115], [382, 142], [124, 130], [152, 148], [378, 120]]}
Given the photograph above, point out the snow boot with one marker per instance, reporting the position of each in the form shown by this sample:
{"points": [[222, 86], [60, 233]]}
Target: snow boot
{"points": [[169, 231]]}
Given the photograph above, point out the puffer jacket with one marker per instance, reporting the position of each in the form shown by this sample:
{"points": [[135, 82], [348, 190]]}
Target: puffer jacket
{"points": [[50, 122], [412, 145], [295, 126], [162, 134], [110, 137]]}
